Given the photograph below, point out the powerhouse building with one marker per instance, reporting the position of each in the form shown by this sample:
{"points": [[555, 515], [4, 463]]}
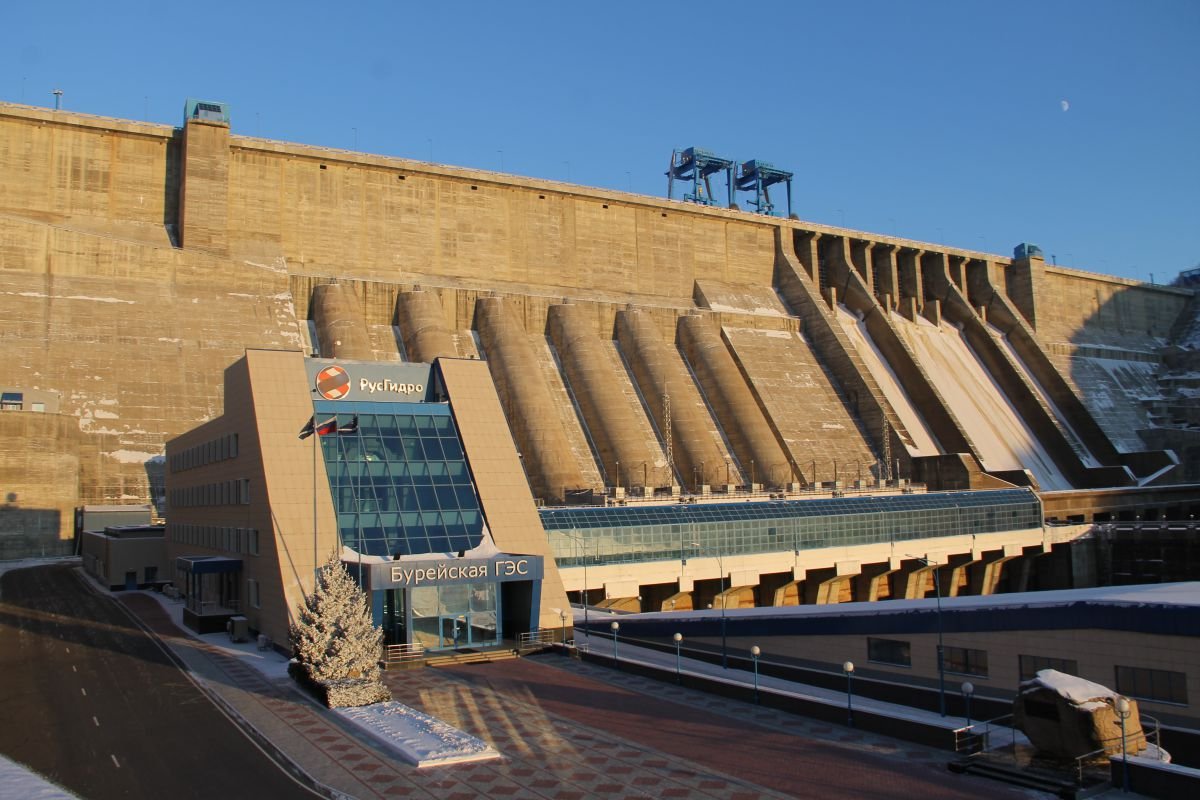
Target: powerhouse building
{"points": [[641, 403]]}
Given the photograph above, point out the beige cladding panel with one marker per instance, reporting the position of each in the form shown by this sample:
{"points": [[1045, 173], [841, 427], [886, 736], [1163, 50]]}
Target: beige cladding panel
{"points": [[304, 524], [496, 469]]}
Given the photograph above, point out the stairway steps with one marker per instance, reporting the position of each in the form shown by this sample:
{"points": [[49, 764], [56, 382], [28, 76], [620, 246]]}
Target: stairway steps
{"points": [[1060, 786]]}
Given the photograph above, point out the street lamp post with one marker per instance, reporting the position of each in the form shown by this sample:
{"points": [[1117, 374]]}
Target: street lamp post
{"points": [[724, 602], [616, 626], [584, 594], [848, 668], [941, 651], [562, 614], [968, 689], [678, 643], [755, 652], [1123, 711]]}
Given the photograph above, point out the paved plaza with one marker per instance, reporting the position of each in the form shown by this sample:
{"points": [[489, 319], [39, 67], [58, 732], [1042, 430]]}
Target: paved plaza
{"points": [[569, 730]]}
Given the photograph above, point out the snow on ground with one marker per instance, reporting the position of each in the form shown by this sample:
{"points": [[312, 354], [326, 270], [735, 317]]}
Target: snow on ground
{"points": [[416, 737], [914, 423], [18, 781]]}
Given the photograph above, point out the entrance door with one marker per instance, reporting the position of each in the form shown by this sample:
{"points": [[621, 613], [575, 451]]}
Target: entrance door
{"points": [[131, 580], [473, 629]]}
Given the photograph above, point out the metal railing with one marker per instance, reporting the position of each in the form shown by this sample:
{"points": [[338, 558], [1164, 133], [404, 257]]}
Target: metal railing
{"points": [[534, 640], [984, 736], [403, 653], [968, 741]]}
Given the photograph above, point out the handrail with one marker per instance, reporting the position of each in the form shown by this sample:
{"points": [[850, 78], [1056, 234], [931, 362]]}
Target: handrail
{"points": [[532, 640], [402, 653], [1079, 763]]}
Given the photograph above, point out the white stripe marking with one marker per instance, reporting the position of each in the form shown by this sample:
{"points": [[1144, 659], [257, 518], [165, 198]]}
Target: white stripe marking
{"points": [[96, 721], [83, 690], [114, 758], [73, 668]]}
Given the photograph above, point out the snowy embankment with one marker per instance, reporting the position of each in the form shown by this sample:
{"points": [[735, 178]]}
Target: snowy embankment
{"points": [[415, 737]]}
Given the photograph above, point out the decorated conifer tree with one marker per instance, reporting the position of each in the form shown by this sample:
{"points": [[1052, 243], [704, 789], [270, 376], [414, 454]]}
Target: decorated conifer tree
{"points": [[333, 637]]}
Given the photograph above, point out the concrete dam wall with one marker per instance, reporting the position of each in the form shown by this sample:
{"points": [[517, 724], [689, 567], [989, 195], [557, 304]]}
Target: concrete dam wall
{"points": [[138, 261]]}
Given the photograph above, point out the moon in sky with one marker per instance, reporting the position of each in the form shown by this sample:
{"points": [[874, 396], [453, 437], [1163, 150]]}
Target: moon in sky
{"points": [[1065, 105]]}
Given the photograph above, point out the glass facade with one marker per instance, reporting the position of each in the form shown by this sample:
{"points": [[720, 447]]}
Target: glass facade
{"points": [[617, 534], [400, 480]]}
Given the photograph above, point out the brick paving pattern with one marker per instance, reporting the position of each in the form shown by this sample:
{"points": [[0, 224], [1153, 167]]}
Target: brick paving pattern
{"points": [[569, 730]]}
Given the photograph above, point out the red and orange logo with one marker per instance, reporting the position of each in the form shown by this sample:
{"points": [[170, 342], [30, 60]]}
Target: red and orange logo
{"points": [[333, 383]]}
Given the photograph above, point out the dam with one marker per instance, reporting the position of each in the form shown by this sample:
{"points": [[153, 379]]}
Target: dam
{"points": [[642, 350]]}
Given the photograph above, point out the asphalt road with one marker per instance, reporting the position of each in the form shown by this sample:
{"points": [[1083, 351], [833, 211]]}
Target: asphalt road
{"points": [[91, 702]]}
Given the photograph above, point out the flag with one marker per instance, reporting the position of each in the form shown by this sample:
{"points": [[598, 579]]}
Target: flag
{"points": [[308, 429], [328, 426], [351, 428]]}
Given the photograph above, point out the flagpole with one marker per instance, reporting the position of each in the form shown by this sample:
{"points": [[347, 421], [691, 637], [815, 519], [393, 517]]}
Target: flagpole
{"points": [[315, 438]]}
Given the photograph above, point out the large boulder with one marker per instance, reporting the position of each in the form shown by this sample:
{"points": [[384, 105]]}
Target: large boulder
{"points": [[1067, 717]]}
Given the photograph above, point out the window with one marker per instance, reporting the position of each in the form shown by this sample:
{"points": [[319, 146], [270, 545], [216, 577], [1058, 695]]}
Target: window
{"points": [[965, 661], [1159, 685], [39, 407], [1031, 665], [253, 593], [889, 651], [11, 401]]}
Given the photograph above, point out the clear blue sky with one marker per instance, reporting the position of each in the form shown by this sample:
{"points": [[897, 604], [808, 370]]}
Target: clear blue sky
{"points": [[940, 121]]}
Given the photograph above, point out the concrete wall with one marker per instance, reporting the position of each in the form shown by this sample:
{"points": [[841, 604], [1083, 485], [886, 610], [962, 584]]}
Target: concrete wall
{"points": [[137, 262]]}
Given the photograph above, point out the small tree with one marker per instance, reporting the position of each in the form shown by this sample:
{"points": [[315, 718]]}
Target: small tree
{"points": [[333, 637]]}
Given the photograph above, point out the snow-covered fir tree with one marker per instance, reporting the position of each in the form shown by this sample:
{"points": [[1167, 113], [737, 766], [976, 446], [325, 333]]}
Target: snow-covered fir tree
{"points": [[333, 636]]}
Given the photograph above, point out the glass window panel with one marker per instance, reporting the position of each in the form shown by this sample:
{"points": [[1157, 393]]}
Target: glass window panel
{"points": [[483, 597], [426, 498], [438, 473], [452, 449], [409, 500], [433, 449], [446, 497], [418, 473], [442, 544], [405, 425], [393, 448], [455, 598]]}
